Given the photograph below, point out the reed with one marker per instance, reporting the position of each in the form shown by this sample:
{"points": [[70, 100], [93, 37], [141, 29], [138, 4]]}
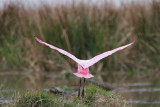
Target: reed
{"points": [[88, 29]]}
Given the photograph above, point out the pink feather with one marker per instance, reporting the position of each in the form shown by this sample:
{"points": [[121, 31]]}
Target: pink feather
{"points": [[58, 49], [83, 65], [105, 54]]}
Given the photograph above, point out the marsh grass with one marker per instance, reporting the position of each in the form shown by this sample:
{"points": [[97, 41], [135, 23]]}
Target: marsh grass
{"points": [[83, 30], [35, 99], [94, 96]]}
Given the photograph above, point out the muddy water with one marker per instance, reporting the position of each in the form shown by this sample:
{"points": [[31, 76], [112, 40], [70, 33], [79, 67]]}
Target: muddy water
{"points": [[140, 93]]}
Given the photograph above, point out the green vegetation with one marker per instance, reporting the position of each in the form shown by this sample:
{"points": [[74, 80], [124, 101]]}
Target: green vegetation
{"points": [[83, 30], [35, 99], [95, 96]]}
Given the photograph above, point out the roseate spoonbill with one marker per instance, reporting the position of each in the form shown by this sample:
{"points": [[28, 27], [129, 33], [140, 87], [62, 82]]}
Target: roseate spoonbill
{"points": [[83, 65]]}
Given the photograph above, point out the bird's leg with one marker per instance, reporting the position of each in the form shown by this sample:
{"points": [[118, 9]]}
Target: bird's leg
{"points": [[83, 88], [79, 88]]}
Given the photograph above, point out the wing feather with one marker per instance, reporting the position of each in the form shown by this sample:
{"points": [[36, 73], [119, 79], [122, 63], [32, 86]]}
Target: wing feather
{"points": [[59, 50], [97, 58]]}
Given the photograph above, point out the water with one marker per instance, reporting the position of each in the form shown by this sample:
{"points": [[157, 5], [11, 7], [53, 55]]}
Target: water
{"points": [[139, 93]]}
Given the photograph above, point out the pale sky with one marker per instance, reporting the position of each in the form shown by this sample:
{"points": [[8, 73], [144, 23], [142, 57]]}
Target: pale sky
{"points": [[36, 3]]}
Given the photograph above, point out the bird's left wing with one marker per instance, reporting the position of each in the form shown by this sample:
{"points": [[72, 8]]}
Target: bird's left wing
{"points": [[59, 50], [97, 58]]}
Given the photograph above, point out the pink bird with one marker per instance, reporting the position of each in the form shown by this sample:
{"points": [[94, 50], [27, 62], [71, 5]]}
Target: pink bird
{"points": [[83, 65]]}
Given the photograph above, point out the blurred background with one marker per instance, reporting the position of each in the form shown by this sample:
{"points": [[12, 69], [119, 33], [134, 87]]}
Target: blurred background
{"points": [[84, 28]]}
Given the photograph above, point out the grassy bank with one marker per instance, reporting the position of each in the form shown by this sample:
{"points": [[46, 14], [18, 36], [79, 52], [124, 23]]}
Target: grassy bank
{"points": [[94, 96], [84, 31]]}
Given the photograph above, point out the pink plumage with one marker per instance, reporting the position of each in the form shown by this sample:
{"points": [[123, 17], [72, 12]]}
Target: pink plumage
{"points": [[83, 72], [83, 65]]}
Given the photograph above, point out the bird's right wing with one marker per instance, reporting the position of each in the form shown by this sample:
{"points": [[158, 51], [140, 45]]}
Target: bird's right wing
{"points": [[103, 55]]}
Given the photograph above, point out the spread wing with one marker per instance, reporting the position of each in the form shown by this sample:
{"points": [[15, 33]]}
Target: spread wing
{"points": [[59, 50], [105, 54]]}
